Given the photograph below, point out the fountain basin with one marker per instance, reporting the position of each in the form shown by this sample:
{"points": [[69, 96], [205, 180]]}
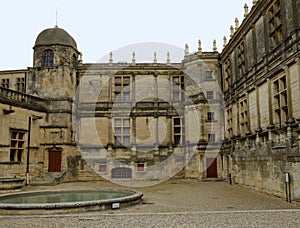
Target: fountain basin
{"points": [[11, 183], [79, 200]]}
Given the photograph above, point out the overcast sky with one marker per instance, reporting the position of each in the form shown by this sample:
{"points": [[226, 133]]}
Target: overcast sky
{"points": [[100, 26]]}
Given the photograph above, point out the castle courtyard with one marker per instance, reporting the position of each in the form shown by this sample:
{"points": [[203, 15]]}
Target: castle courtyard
{"points": [[175, 203]]}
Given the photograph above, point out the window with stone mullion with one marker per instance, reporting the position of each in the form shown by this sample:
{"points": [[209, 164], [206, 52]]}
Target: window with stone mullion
{"points": [[275, 24], [122, 131]]}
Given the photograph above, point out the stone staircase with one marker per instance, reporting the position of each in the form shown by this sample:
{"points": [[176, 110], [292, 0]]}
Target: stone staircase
{"points": [[88, 174], [48, 179]]}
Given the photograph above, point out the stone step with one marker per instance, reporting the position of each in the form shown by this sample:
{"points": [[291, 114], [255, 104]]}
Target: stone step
{"points": [[46, 179]]}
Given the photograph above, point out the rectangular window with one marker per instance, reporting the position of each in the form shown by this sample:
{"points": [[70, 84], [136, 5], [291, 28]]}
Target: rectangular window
{"points": [[178, 131], [275, 25], [17, 145], [178, 88], [102, 168], [243, 116], [140, 167], [211, 138], [229, 123], [122, 88], [209, 75], [280, 104], [210, 116], [5, 83], [21, 85], [209, 95], [122, 131]]}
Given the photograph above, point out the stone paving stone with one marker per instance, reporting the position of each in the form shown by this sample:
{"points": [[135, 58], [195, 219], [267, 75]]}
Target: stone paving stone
{"points": [[175, 203]]}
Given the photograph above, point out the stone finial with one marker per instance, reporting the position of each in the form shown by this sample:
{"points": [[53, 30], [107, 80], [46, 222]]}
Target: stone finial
{"points": [[231, 31], [225, 41], [237, 24], [246, 8], [199, 46], [254, 2], [215, 45], [186, 50], [110, 57], [133, 57], [155, 58], [168, 57]]}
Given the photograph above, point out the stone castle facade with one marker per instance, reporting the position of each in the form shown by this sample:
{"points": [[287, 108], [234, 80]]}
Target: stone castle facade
{"points": [[214, 115]]}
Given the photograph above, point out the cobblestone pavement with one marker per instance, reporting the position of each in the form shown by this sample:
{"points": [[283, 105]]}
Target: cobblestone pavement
{"points": [[175, 203]]}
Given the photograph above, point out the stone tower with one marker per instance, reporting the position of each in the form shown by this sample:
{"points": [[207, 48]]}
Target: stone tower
{"points": [[53, 78]]}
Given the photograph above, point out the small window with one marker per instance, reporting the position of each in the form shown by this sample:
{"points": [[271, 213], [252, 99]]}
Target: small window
{"points": [[208, 75], [122, 88], [48, 58], [211, 137], [140, 167], [209, 95], [17, 145], [178, 88], [210, 116], [178, 134], [102, 168], [21, 85], [5, 83]]}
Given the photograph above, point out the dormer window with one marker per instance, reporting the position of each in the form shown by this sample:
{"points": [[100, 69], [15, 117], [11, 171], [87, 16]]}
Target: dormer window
{"points": [[48, 58]]}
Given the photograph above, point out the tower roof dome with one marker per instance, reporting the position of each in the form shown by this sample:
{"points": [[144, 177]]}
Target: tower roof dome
{"points": [[55, 36]]}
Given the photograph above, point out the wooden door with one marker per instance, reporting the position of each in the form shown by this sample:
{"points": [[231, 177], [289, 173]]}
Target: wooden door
{"points": [[54, 161], [211, 168]]}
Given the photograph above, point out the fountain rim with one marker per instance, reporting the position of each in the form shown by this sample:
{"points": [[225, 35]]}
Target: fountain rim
{"points": [[65, 205]]}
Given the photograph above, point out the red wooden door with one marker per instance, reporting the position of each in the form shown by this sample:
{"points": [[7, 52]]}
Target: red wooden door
{"points": [[211, 168], [54, 161]]}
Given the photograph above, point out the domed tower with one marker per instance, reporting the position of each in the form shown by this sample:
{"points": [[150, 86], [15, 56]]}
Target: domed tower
{"points": [[55, 62], [53, 78]]}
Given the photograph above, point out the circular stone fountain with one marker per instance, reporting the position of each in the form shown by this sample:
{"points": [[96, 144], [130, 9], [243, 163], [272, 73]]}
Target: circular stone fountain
{"points": [[68, 201]]}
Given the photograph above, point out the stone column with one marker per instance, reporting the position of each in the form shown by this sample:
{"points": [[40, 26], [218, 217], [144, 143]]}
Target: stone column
{"points": [[271, 124], [248, 114], [257, 140], [155, 86], [110, 134], [238, 117], [133, 88], [258, 108], [133, 139], [110, 87], [156, 130], [169, 121], [297, 60], [270, 98], [170, 89], [289, 92]]}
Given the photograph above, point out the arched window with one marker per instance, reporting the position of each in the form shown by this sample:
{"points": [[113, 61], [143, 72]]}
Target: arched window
{"points": [[121, 173], [48, 58]]}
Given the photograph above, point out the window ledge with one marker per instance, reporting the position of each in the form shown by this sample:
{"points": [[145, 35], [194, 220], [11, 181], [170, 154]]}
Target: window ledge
{"points": [[10, 163]]}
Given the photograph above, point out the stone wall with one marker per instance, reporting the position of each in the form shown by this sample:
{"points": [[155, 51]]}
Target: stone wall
{"points": [[264, 169]]}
